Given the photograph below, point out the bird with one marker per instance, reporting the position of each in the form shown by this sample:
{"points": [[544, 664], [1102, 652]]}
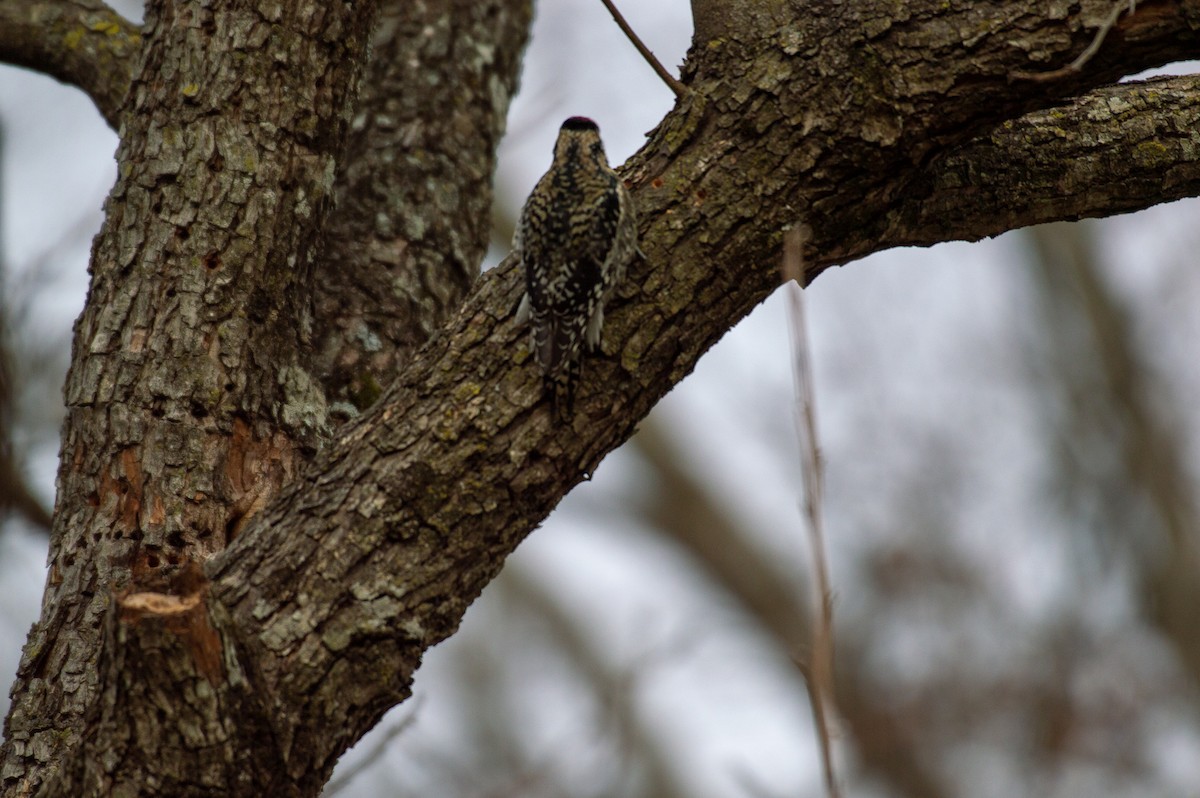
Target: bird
{"points": [[575, 237]]}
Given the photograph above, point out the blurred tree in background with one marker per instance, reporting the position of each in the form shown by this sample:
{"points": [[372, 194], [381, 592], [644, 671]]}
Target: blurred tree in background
{"points": [[1006, 425]]}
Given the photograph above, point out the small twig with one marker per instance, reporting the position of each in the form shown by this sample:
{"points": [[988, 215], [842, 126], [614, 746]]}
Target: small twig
{"points": [[371, 757], [817, 699], [1076, 66], [819, 675], [671, 81]]}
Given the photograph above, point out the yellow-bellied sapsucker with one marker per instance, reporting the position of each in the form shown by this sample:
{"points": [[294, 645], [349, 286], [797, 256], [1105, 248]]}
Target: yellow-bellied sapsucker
{"points": [[576, 235]]}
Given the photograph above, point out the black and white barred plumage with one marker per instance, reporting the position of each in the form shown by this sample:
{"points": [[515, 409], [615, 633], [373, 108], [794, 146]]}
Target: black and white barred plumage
{"points": [[576, 235]]}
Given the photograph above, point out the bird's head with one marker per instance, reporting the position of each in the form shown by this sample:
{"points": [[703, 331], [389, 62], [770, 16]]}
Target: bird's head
{"points": [[579, 137]]}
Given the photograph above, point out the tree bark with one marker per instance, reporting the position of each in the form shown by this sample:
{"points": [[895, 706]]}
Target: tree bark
{"points": [[188, 399], [1097, 155], [412, 220], [326, 572], [81, 42]]}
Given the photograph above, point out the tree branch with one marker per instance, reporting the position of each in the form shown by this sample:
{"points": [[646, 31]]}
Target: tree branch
{"points": [[81, 42], [1117, 149], [1144, 475], [402, 521], [677, 88], [1118, 7], [16, 495]]}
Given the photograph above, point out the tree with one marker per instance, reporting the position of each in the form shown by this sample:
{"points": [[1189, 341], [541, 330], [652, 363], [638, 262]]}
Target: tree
{"points": [[239, 587]]}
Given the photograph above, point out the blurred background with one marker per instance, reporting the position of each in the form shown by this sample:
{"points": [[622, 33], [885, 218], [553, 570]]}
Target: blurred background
{"points": [[1011, 444]]}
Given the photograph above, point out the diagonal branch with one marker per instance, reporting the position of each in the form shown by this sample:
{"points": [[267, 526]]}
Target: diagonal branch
{"points": [[1144, 473], [81, 42], [672, 82], [401, 522], [17, 495], [610, 682]]}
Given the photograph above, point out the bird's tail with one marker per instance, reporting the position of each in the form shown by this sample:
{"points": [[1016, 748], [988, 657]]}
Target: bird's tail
{"points": [[558, 346]]}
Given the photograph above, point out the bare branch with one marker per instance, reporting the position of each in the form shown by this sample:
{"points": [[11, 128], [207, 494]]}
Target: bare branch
{"points": [[15, 491], [689, 515], [667, 78], [16, 494], [1127, 414], [818, 671], [609, 681], [81, 42]]}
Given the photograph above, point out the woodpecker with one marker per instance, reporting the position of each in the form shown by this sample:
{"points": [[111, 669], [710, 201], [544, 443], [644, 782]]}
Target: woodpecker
{"points": [[576, 235]]}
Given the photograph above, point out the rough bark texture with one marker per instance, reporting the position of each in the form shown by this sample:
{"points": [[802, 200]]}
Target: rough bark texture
{"points": [[190, 409], [188, 400], [412, 219], [410, 513], [81, 42], [1100, 154]]}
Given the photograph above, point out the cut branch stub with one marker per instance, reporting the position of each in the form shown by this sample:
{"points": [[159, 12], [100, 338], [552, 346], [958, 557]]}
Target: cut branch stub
{"points": [[176, 704]]}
